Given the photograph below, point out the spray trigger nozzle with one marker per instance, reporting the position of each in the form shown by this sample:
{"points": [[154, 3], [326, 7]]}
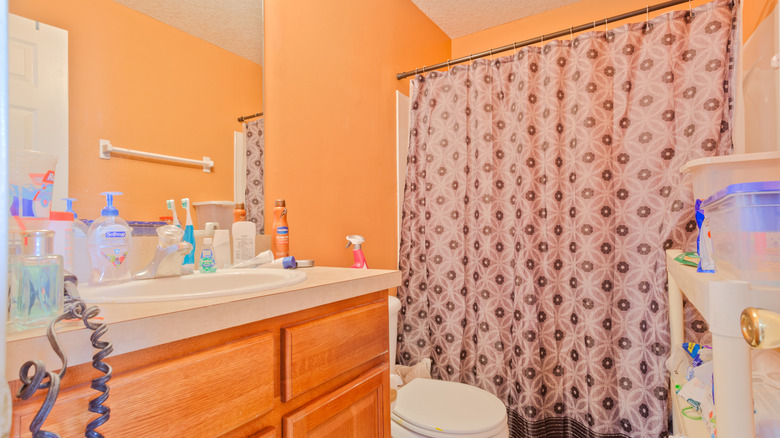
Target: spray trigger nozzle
{"points": [[354, 239]]}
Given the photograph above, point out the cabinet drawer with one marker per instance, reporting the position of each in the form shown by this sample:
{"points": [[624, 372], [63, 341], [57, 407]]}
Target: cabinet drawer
{"points": [[197, 395], [316, 351]]}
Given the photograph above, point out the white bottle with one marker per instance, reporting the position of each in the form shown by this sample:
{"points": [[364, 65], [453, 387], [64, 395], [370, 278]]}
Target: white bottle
{"points": [[81, 264], [61, 222], [108, 241], [243, 241], [222, 248]]}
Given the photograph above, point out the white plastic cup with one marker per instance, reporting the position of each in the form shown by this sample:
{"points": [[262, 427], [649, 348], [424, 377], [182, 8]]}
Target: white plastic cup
{"points": [[31, 180]]}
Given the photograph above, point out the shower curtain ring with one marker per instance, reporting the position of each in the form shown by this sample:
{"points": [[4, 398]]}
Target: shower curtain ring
{"points": [[448, 65], [606, 29], [571, 33], [647, 12]]}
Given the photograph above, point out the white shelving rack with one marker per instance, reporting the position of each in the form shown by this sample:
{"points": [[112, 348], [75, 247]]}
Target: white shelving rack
{"points": [[720, 300]]}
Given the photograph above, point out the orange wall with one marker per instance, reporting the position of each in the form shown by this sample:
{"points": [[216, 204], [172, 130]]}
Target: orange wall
{"points": [[147, 86], [330, 119], [753, 13]]}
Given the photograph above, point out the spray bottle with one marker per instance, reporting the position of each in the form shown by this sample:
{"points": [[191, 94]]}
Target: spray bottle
{"points": [[357, 252]]}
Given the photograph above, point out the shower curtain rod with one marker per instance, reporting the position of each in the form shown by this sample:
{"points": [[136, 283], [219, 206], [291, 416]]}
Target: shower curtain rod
{"points": [[542, 38], [241, 119]]}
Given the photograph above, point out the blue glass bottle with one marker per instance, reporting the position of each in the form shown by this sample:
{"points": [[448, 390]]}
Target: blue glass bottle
{"points": [[36, 281]]}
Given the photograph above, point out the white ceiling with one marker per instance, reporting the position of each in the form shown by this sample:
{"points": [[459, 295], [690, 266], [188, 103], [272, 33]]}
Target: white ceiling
{"points": [[237, 25], [459, 18], [234, 25]]}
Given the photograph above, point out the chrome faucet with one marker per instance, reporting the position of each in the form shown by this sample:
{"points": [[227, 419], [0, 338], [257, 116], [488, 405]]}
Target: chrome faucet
{"points": [[168, 256]]}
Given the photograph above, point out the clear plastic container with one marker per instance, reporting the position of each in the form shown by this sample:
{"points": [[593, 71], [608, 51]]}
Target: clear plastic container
{"points": [[745, 226], [31, 178], [220, 212], [712, 174]]}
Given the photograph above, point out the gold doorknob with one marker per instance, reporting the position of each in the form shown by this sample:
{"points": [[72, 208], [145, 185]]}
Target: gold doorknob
{"points": [[760, 327]]}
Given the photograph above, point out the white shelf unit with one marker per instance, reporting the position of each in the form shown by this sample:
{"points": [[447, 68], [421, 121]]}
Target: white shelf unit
{"points": [[720, 300]]}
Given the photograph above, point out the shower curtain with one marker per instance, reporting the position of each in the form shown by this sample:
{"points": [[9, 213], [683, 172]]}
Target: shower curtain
{"points": [[542, 191], [254, 195]]}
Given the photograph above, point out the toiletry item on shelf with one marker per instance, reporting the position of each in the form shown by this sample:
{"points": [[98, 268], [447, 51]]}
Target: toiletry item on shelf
{"points": [[171, 204], [280, 243], [209, 228], [61, 222], [243, 241], [221, 244], [260, 259], [704, 241], [239, 214], [108, 241], [305, 263], [357, 251], [282, 262], [81, 266], [36, 286], [207, 263], [189, 233]]}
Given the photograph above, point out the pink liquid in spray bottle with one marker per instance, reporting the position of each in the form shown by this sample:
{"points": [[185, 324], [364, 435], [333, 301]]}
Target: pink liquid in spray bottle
{"points": [[357, 252]]}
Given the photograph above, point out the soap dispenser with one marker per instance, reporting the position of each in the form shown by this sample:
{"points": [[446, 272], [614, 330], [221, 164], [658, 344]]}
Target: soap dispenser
{"points": [[108, 240]]}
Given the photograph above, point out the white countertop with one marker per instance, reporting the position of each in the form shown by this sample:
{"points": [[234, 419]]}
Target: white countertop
{"points": [[135, 326]]}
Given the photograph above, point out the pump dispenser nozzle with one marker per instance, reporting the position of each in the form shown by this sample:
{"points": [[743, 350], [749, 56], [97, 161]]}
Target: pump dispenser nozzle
{"points": [[69, 206], [354, 239], [109, 209]]}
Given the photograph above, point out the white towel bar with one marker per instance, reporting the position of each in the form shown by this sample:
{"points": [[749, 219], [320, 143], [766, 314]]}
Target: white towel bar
{"points": [[106, 148]]}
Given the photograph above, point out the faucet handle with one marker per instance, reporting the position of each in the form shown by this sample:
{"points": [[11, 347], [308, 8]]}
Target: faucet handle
{"points": [[168, 235]]}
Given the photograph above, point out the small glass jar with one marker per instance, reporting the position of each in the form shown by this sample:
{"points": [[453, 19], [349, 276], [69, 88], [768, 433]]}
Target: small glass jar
{"points": [[36, 283]]}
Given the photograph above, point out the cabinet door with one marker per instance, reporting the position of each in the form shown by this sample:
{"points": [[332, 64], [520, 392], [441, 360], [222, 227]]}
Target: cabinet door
{"points": [[359, 409]]}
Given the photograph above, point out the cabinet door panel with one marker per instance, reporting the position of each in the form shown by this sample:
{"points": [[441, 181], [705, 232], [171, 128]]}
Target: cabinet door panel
{"points": [[318, 350], [359, 409], [197, 395]]}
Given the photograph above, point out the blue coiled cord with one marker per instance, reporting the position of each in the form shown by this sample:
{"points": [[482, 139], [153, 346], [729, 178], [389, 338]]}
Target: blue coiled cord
{"points": [[75, 308]]}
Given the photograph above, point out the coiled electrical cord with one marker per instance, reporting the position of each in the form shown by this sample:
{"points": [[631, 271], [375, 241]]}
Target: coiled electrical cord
{"points": [[75, 308]]}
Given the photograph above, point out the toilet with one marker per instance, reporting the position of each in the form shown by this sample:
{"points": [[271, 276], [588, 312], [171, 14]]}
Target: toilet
{"points": [[427, 408]]}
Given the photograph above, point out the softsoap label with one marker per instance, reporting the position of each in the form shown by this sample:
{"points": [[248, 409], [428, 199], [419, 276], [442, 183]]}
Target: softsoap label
{"points": [[115, 234]]}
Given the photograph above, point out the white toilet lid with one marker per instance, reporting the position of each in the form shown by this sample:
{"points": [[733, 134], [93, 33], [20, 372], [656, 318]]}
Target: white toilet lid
{"points": [[449, 407]]}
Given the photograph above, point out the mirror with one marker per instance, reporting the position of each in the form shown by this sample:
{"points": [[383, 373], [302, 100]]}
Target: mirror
{"points": [[149, 86]]}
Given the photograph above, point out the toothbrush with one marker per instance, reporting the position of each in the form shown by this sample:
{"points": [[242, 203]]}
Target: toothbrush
{"points": [[172, 207], [189, 233]]}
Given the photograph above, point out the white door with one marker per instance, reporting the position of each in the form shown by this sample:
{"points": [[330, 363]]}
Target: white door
{"points": [[402, 149], [38, 94]]}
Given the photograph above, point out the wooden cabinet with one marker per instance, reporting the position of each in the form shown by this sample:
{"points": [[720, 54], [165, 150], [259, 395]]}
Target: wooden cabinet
{"points": [[358, 409], [317, 372]]}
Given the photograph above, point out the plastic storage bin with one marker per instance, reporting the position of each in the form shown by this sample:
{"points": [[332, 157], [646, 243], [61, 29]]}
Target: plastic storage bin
{"points": [[712, 174], [744, 221], [214, 211]]}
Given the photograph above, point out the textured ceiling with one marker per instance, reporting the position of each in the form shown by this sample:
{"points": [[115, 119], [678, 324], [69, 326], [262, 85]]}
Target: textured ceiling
{"points": [[234, 25], [458, 18], [237, 25]]}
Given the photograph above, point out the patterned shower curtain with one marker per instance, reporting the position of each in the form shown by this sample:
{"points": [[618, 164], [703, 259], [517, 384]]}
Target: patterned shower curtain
{"points": [[255, 160], [542, 191]]}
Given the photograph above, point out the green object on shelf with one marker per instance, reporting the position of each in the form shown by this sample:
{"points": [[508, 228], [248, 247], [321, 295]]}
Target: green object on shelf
{"points": [[688, 258], [686, 415]]}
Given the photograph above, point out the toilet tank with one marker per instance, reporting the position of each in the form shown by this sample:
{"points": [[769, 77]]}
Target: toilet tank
{"points": [[393, 306]]}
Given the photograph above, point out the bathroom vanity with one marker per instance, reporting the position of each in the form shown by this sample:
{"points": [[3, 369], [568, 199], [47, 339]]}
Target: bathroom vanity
{"points": [[304, 360]]}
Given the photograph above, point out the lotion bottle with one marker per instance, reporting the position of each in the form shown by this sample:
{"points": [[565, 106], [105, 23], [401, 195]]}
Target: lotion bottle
{"points": [[243, 241], [280, 243]]}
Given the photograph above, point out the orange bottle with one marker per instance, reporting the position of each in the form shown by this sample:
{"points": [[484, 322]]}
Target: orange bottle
{"points": [[239, 214], [281, 234]]}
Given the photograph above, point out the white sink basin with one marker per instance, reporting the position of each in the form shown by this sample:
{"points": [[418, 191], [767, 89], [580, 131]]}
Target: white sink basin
{"points": [[221, 283]]}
